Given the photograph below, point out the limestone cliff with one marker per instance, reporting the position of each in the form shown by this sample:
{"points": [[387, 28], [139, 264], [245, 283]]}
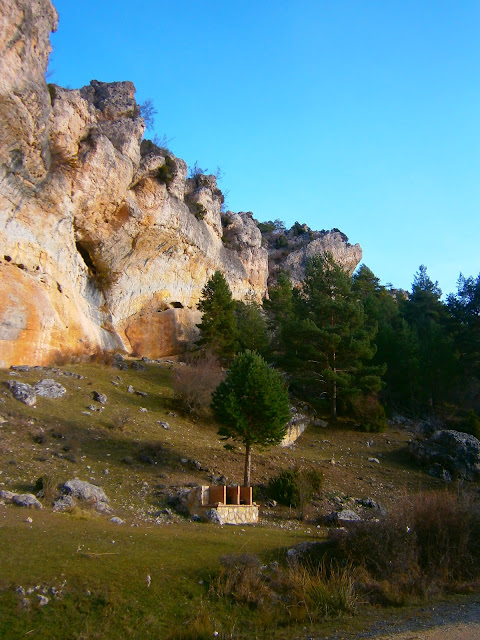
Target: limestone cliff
{"points": [[104, 241]]}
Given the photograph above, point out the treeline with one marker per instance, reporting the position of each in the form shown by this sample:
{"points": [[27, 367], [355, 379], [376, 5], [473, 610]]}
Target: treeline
{"points": [[353, 347]]}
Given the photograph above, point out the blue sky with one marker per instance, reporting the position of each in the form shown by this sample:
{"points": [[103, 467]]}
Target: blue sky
{"points": [[357, 114]]}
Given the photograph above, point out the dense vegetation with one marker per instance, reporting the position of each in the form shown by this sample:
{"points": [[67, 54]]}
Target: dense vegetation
{"points": [[353, 347]]}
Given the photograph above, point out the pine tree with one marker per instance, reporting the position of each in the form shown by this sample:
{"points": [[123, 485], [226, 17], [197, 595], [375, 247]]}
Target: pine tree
{"points": [[333, 342], [465, 310], [251, 405], [252, 329], [437, 362], [218, 329]]}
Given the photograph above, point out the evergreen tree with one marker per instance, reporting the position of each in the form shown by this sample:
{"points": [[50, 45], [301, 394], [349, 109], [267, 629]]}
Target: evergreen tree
{"points": [[333, 342], [428, 317], [280, 315], [465, 310], [218, 328], [252, 329], [251, 405]]}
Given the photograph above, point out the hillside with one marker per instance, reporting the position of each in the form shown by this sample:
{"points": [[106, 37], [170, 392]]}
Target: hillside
{"points": [[142, 460]]}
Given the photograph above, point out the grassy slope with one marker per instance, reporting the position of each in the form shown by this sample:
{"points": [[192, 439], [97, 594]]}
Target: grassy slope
{"points": [[58, 440]]}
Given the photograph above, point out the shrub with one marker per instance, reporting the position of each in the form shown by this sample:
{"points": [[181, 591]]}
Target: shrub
{"points": [[148, 113], [241, 578], [281, 242], [295, 592], [370, 413], [425, 544], [47, 486], [166, 173], [471, 424], [198, 210], [315, 592], [266, 227], [298, 229], [195, 382], [120, 420], [295, 487]]}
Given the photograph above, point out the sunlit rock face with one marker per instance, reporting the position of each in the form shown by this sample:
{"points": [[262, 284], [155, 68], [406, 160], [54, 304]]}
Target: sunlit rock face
{"points": [[104, 242]]}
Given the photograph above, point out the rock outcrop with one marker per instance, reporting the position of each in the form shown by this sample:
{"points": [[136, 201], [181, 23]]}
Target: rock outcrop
{"points": [[106, 244], [448, 454]]}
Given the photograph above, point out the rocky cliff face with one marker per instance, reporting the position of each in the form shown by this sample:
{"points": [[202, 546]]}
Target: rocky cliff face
{"points": [[104, 241]]}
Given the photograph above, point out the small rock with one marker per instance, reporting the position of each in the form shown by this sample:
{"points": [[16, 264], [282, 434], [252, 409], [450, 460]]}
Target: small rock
{"points": [[64, 503], [165, 425], [49, 389], [141, 393], [347, 515], [138, 366], [23, 392], [130, 389], [117, 520], [25, 603], [100, 397], [26, 500], [114, 382], [84, 491], [143, 410], [29, 520], [119, 362], [437, 471], [375, 460], [42, 600]]}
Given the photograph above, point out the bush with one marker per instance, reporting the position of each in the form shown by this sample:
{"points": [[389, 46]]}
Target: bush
{"points": [[47, 487], [120, 420], [471, 424], [266, 227], [281, 242], [315, 592], [370, 413], [241, 579], [295, 487], [295, 592], [195, 382], [427, 543], [166, 173]]}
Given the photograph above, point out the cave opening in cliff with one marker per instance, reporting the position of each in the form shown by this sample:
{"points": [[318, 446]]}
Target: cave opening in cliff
{"points": [[87, 258], [176, 305]]}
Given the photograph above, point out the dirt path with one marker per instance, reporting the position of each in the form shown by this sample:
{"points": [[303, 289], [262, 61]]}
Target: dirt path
{"points": [[469, 631], [440, 622]]}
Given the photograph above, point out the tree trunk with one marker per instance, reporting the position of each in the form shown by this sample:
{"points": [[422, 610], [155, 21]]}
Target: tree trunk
{"points": [[334, 390], [248, 458]]}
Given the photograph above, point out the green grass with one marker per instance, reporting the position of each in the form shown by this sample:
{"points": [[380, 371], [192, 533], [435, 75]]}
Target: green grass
{"points": [[111, 563]]}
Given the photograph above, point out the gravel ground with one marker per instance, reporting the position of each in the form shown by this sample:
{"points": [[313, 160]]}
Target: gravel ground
{"points": [[444, 621], [441, 621]]}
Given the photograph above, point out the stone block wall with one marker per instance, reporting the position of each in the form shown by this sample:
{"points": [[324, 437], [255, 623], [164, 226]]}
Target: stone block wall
{"points": [[223, 505]]}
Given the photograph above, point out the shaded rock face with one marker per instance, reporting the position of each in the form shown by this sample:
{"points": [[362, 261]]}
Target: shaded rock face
{"points": [[105, 242], [449, 454]]}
